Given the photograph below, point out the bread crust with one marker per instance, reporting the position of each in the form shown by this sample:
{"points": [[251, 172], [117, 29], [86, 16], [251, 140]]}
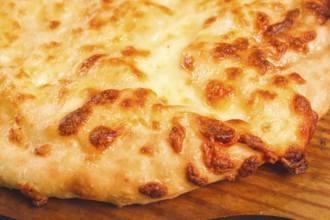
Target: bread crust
{"points": [[138, 101]]}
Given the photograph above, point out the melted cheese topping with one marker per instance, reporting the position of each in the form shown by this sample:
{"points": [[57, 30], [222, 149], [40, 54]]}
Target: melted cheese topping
{"points": [[244, 62]]}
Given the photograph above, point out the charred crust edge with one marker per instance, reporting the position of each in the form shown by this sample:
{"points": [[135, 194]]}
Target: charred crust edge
{"points": [[294, 160]]}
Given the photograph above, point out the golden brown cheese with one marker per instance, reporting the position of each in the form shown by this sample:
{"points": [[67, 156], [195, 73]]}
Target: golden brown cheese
{"points": [[138, 101]]}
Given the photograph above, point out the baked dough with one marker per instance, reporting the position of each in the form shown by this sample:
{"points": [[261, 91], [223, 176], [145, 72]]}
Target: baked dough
{"points": [[138, 101]]}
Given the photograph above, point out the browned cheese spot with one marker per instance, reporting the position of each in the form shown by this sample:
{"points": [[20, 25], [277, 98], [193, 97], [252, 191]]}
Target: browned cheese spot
{"points": [[15, 135], [255, 143], [297, 78], [209, 21], [153, 189], [54, 25], [104, 97], [147, 150], [188, 63], [233, 73], [303, 107], [322, 12], [22, 97], [264, 94], [300, 43], [138, 99], [89, 63], [194, 177], [177, 136], [117, 62], [262, 21], [96, 23], [19, 119], [91, 92], [279, 46], [43, 150], [249, 166], [161, 8], [217, 91], [132, 51], [225, 50], [259, 60], [284, 25], [102, 137], [215, 159], [31, 192], [71, 123], [155, 125], [280, 81], [294, 160], [216, 131], [51, 45]]}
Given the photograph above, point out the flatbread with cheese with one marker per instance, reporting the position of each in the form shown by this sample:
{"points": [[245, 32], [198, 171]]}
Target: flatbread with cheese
{"points": [[138, 101]]}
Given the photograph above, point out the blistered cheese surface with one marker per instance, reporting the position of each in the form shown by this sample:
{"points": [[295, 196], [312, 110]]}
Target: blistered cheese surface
{"points": [[136, 101]]}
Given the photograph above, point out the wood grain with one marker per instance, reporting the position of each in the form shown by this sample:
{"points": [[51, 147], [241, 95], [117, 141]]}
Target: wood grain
{"points": [[270, 191]]}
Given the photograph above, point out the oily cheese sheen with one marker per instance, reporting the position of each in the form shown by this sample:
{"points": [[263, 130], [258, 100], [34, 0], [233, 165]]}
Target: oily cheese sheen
{"points": [[138, 101]]}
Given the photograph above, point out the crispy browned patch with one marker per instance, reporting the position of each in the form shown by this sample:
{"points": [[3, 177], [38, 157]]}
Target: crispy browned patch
{"points": [[54, 24], [194, 177], [116, 62], [249, 166], [132, 51], [104, 97], [22, 97], [225, 50], [280, 81], [216, 131], [177, 136], [188, 63], [280, 47], [209, 21], [137, 100], [303, 107], [153, 189], [51, 45], [162, 8], [233, 73], [43, 150], [322, 12], [15, 135], [216, 91], [300, 43], [284, 25], [19, 119], [294, 160], [89, 63], [259, 60], [297, 78], [147, 150], [257, 144], [31, 192], [215, 159], [155, 125], [102, 137], [265, 94], [71, 123], [262, 21], [97, 23]]}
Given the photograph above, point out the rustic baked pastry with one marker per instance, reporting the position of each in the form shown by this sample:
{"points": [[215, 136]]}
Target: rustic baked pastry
{"points": [[138, 101]]}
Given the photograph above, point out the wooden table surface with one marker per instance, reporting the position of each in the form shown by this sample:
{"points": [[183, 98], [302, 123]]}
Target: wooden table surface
{"points": [[271, 190]]}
